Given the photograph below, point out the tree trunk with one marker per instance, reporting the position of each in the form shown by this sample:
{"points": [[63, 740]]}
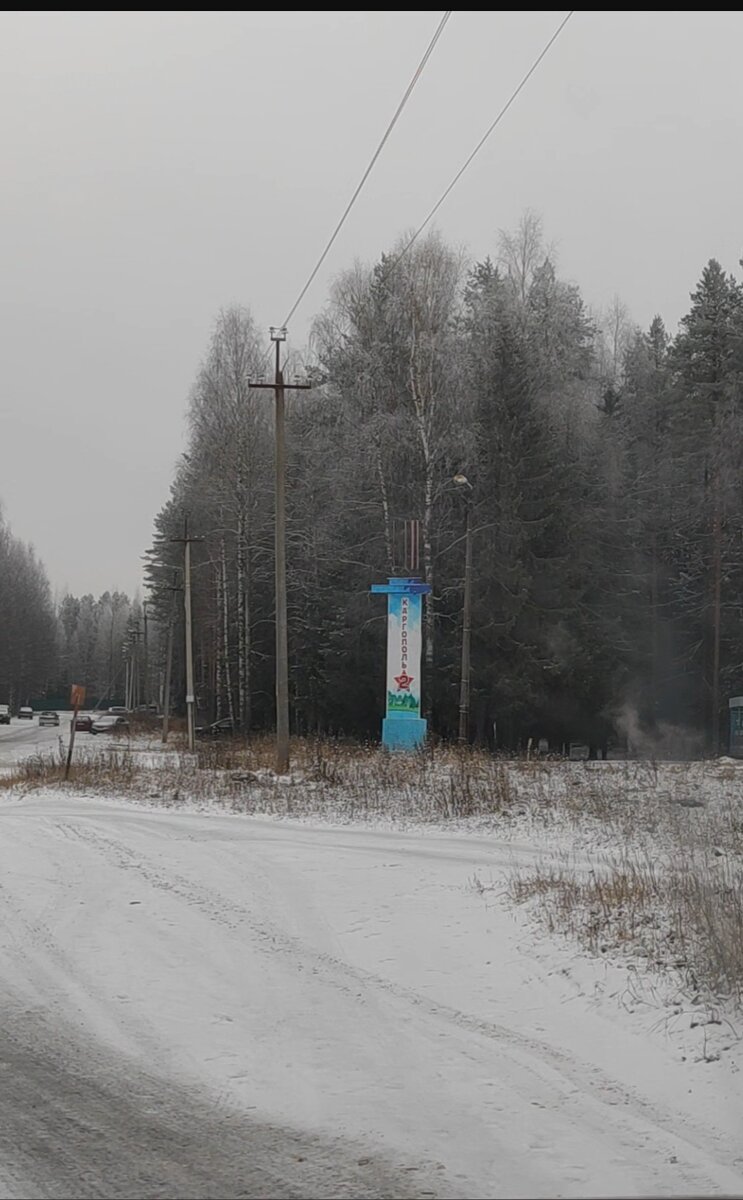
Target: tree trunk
{"points": [[388, 539], [654, 631], [423, 405], [247, 717], [716, 616], [242, 620], [218, 665], [429, 608], [109, 685], [226, 635]]}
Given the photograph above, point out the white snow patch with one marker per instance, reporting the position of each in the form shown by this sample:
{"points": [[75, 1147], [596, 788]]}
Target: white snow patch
{"points": [[369, 983]]}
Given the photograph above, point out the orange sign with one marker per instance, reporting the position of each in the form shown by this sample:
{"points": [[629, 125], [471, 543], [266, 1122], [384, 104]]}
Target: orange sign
{"points": [[77, 695]]}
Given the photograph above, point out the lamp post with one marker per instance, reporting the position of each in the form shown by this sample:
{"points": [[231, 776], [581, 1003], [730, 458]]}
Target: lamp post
{"points": [[463, 483]]}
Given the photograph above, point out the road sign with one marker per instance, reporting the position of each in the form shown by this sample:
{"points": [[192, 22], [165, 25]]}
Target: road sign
{"points": [[77, 695]]}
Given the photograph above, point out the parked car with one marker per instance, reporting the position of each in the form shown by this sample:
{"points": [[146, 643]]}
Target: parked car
{"points": [[110, 723], [4, 714], [223, 728], [84, 722], [49, 718], [118, 710], [26, 713]]}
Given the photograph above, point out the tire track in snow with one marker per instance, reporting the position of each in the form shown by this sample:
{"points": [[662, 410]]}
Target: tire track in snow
{"points": [[79, 1121], [541, 1068]]}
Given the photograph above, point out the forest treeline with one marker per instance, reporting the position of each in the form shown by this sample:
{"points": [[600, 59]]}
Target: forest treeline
{"points": [[607, 509]]}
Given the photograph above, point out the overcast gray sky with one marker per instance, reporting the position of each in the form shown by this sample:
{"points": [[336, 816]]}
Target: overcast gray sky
{"points": [[158, 166]]}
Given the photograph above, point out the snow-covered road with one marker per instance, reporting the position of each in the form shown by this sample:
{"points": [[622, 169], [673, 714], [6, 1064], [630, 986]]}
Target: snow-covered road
{"points": [[204, 1005], [21, 738]]}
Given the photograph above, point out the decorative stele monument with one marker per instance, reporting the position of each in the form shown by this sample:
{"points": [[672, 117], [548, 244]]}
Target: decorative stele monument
{"points": [[403, 727]]}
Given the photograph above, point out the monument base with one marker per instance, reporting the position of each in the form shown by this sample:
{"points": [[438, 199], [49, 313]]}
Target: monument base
{"points": [[403, 733]]}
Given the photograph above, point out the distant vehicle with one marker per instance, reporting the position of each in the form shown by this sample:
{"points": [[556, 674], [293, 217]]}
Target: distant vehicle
{"points": [[222, 728], [110, 723], [4, 714], [84, 722], [49, 718], [119, 710], [25, 713]]}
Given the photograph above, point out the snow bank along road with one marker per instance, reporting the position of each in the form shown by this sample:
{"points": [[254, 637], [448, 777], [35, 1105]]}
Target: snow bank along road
{"points": [[196, 1005]]}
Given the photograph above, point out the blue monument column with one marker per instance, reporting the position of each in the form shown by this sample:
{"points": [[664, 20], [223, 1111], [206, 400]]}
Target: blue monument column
{"points": [[403, 727]]}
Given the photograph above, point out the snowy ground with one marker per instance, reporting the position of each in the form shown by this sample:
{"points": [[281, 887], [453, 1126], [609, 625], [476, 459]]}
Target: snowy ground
{"points": [[204, 1004]]}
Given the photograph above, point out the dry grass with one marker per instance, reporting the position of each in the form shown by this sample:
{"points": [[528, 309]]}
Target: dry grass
{"points": [[117, 769], [682, 914], [332, 778], [362, 779], [671, 885]]}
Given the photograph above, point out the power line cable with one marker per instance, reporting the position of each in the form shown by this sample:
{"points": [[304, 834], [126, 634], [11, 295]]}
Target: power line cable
{"points": [[485, 136], [406, 96]]}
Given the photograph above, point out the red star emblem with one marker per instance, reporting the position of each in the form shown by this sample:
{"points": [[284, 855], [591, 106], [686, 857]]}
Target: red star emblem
{"points": [[403, 682]]}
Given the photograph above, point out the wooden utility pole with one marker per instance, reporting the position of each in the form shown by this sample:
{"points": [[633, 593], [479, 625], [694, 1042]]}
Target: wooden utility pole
{"points": [[169, 660], [190, 696], [146, 661], [135, 669], [463, 482], [716, 619], [186, 541], [135, 682], [130, 671], [464, 686], [278, 387]]}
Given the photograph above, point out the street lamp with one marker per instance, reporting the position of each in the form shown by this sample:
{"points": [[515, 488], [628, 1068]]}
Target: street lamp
{"points": [[462, 482]]}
